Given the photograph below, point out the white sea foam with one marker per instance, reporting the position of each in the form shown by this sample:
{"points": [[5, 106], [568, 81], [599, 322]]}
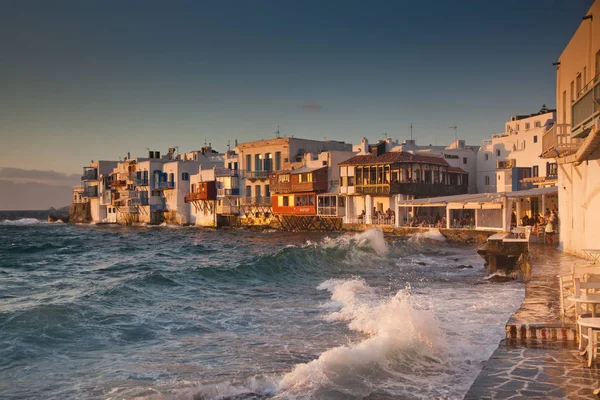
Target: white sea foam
{"points": [[22, 221], [390, 326], [431, 234], [371, 239]]}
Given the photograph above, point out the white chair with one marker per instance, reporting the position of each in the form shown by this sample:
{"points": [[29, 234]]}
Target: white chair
{"points": [[567, 284], [589, 329]]}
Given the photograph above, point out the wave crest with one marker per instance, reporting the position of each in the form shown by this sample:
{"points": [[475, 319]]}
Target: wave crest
{"points": [[392, 327]]}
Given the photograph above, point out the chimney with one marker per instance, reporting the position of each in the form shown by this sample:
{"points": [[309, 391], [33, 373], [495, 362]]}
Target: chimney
{"points": [[150, 154]]}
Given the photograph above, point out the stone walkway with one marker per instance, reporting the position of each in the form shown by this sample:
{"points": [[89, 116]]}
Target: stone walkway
{"points": [[539, 359]]}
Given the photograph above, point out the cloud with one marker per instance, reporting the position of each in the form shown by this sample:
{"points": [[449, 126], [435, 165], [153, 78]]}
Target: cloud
{"points": [[48, 177], [312, 106]]}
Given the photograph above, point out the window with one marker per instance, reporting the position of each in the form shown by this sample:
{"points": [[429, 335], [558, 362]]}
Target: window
{"points": [[306, 177], [487, 180], [258, 162], [267, 191], [524, 143], [286, 201], [487, 156], [248, 162], [498, 177], [268, 162], [248, 191], [257, 191], [551, 169], [185, 176], [464, 160], [350, 181], [277, 161], [572, 97], [535, 139], [527, 125], [155, 193], [498, 153], [578, 84], [584, 75], [536, 171], [283, 178], [538, 124], [517, 127]]}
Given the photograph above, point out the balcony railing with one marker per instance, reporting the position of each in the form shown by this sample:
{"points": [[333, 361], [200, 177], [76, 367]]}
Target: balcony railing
{"points": [[228, 210], [89, 175], [226, 172], [140, 201], [164, 185], [198, 196], [117, 182], [128, 209], [557, 142], [256, 201], [327, 211], [228, 192], [141, 182], [585, 108], [158, 207], [256, 174], [91, 191]]}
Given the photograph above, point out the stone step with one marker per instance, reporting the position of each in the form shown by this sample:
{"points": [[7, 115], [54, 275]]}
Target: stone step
{"points": [[551, 331]]}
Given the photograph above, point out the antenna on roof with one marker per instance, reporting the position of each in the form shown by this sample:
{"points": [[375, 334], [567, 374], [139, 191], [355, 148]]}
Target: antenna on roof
{"points": [[229, 145], [205, 141], [455, 135], [411, 138], [277, 133]]}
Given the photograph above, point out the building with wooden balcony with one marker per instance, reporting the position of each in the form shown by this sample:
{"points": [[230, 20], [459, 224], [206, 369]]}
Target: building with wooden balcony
{"points": [[371, 182], [258, 159], [574, 143], [295, 191]]}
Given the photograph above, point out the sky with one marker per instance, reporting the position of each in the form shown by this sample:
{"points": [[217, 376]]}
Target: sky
{"points": [[88, 80]]}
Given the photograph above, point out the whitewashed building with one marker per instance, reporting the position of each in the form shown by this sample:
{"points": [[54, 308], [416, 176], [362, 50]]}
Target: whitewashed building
{"points": [[511, 160], [574, 141]]}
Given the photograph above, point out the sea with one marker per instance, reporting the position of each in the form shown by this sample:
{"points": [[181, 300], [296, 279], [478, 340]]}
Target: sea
{"points": [[162, 312]]}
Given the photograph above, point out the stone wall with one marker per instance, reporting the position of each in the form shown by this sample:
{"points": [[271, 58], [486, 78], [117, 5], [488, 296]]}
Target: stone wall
{"points": [[80, 213]]}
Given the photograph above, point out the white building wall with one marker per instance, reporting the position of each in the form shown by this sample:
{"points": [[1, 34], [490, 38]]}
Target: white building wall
{"points": [[203, 213]]}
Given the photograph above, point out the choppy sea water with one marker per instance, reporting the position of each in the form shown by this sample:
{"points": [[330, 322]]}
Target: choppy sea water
{"points": [[110, 312]]}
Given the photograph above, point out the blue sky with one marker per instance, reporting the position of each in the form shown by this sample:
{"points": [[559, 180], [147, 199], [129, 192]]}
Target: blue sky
{"points": [[85, 80]]}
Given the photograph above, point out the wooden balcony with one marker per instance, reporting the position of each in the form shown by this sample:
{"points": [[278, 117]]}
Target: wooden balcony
{"points": [[202, 191], [116, 183], [557, 142], [89, 174], [255, 201]]}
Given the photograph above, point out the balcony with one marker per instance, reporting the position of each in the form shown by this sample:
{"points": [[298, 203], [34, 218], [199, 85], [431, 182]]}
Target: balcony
{"points": [[164, 185], [140, 201], [416, 189], [141, 182], [585, 108], [91, 191], [256, 201], [557, 142], [196, 196], [116, 183], [89, 174], [128, 209], [228, 210], [293, 186], [158, 207], [254, 175], [228, 192], [225, 172], [506, 164]]}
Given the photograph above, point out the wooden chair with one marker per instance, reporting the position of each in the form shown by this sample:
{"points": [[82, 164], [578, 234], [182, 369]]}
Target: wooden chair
{"points": [[567, 284]]}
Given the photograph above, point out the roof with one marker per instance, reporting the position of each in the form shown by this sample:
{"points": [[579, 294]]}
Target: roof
{"points": [[305, 169], [395, 157], [457, 170], [479, 197]]}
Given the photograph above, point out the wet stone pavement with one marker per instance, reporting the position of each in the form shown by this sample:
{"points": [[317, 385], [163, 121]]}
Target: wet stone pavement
{"points": [[539, 359]]}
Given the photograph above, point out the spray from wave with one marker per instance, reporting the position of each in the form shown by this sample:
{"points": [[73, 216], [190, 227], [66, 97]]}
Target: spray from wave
{"points": [[390, 328]]}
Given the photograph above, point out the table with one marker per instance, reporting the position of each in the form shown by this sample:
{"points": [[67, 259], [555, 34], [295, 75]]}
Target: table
{"points": [[594, 254], [588, 329], [592, 299]]}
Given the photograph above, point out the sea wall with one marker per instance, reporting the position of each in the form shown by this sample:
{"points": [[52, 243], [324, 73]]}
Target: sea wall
{"points": [[452, 235], [80, 213]]}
